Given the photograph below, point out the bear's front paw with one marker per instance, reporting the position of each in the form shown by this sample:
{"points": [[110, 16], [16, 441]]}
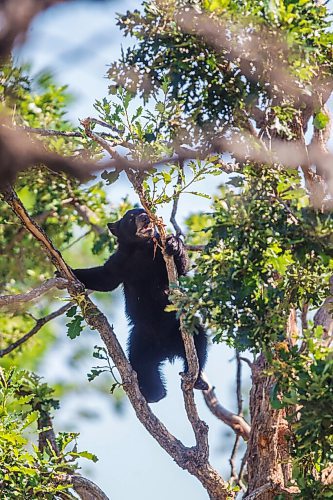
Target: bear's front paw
{"points": [[173, 245]]}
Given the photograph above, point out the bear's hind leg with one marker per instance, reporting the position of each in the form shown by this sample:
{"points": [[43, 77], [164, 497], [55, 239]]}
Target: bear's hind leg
{"points": [[146, 363]]}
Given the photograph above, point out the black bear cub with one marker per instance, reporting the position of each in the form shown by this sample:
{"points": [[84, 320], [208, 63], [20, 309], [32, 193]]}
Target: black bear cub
{"points": [[138, 264]]}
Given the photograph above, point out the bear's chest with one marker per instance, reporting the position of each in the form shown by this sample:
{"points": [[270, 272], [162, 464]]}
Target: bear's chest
{"points": [[144, 268]]}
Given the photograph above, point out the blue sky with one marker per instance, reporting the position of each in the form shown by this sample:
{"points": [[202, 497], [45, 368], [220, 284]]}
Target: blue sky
{"points": [[77, 41]]}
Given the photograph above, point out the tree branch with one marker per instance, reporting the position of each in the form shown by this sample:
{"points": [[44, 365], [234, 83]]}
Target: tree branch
{"points": [[86, 123], [236, 422], [85, 488], [194, 460], [195, 248], [275, 489], [173, 221], [39, 324], [46, 436], [234, 474], [8, 300], [47, 132]]}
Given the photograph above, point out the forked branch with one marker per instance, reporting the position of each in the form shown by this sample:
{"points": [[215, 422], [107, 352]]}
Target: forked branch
{"points": [[194, 460], [39, 324]]}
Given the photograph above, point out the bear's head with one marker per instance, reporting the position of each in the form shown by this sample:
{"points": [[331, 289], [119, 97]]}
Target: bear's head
{"points": [[134, 227]]}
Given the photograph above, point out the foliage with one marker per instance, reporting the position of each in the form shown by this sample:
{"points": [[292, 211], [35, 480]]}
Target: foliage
{"points": [[25, 470], [49, 198], [75, 326], [219, 87], [150, 136], [267, 250], [102, 354], [304, 382]]}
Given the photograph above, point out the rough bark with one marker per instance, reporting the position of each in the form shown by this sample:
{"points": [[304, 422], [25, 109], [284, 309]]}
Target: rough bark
{"points": [[269, 467]]}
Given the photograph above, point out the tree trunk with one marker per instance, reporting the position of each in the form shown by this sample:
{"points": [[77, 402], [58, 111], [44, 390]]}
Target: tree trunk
{"points": [[269, 462]]}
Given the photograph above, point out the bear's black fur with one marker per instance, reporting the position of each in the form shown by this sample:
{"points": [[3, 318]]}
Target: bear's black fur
{"points": [[139, 265]]}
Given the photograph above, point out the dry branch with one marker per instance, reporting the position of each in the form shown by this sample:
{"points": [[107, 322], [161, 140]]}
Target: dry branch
{"points": [[236, 422], [8, 300]]}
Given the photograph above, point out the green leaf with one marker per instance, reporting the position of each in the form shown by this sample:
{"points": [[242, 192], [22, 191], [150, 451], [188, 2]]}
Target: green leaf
{"points": [[85, 454], [321, 120], [160, 107], [110, 177], [75, 327], [236, 181], [71, 312], [32, 417]]}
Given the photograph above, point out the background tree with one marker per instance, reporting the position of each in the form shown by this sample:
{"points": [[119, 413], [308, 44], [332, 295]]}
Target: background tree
{"points": [[243, 100]]}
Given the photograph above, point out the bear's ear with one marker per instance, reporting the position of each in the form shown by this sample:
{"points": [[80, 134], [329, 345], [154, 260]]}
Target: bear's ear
{"points": [[114, 227]]}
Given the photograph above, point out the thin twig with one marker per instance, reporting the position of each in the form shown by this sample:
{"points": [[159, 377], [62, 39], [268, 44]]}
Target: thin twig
{"points": [[242, 467], [47, 132], [39, 324], [195, 248], [259, 491], [232, 459], [247, 361], [274, 488], [99, 139], [173, 221], [239, 384], [234, 475], [50, 132]]}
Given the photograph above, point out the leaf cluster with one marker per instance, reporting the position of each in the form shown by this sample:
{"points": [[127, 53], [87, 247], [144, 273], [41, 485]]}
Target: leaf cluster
{"points": [[221, 86], [268, 252], [304, 387], [25, 470]]}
